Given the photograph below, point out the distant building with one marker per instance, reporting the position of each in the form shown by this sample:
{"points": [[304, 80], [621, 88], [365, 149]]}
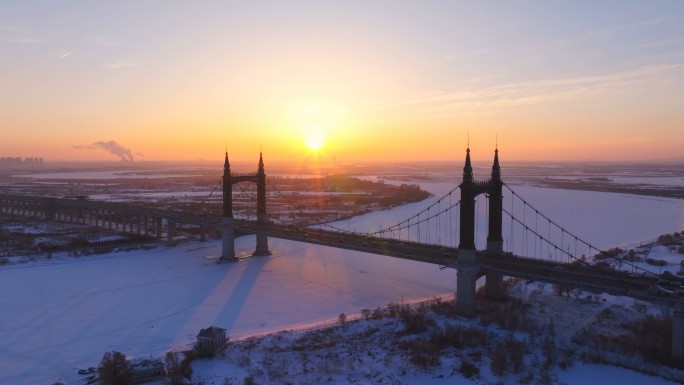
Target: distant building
{"points": [[17, 162], [210, 341]]}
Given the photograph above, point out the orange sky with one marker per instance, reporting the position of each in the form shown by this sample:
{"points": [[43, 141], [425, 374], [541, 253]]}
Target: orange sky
{"points": [[386, 81]]}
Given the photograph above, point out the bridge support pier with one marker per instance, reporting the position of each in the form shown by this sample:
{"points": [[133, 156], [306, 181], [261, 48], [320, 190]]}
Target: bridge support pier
{"points": [[467, 275], [228, 240], [261, 239], [678, 330], [171, 231], [494, 287]]}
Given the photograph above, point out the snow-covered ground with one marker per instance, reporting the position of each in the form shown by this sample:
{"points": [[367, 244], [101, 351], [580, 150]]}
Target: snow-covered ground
{"points": [[63, 314], [383, 351], [594, 374]]}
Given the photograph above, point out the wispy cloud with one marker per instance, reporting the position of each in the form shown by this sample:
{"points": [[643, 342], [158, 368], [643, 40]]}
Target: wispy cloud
{"points": [[461, 55], [596, 33], [516, 94], [120, 65], [100, 41], [20, 35], [25, 40], [663, 43]]}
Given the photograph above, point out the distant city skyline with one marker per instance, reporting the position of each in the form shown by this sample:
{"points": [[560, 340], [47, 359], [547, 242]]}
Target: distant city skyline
{"points": [[357, 81]]}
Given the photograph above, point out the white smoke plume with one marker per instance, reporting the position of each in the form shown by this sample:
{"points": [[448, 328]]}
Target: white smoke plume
{"points": [[114, 148]]}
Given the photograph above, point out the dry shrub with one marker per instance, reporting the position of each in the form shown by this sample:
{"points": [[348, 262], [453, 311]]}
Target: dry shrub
{"points": [[612, 253], [366, 313], [498, 363], [377, 313], [424, 353], [516, 351], [549, 352], [316, 339], [114, 369], [509, 356], [416, 320], [650, 337], [468, 369], [510, 315], [446, 308], [458, 336]]}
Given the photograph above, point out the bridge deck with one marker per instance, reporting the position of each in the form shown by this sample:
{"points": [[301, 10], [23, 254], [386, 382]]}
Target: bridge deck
{"points": [[569, 275]]}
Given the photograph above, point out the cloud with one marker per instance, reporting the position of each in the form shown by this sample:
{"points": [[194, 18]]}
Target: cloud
{"points": [[517, 94], [461, 55], [25, 40], [120, 65], [99, 41], [20, 35], [114, 148], [662, 43], [609, 30]]}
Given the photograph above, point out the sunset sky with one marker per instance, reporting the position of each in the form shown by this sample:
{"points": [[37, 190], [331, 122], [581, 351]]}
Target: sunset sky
{"points": [[369, 80]]}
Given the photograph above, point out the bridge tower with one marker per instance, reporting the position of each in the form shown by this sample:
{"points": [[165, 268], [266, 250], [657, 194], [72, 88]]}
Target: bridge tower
{"points": [[468, 270], [228, 238], [261, 239], [229, 179]]}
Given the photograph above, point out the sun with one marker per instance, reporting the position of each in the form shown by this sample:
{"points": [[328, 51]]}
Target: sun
{"points": [[314, 141]]}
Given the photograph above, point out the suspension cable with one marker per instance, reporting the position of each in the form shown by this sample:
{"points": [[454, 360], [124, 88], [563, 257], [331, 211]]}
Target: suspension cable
{"points": [[580, 240]]}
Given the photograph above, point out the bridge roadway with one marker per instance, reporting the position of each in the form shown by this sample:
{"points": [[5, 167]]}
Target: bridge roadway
{"points": [[123, 208], [569, 275]]}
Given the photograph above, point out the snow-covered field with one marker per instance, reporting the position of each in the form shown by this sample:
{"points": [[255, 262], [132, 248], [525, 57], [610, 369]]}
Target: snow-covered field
{"points": [[384, 351], [61, 315]]}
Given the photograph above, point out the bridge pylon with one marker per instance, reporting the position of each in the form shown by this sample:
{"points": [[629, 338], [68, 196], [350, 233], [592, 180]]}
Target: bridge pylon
{"points": [[228, 224], [468, 271], [261, 239], [494, 288]]}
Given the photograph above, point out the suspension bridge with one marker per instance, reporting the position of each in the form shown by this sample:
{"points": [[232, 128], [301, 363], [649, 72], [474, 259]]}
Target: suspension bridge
{"points": [[444, 233]]}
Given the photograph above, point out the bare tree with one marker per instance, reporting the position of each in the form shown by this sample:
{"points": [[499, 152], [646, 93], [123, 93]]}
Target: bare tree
{"points": [[114, 369]]}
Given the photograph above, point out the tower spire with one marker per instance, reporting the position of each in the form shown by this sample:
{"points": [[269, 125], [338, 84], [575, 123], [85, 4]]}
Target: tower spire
{"points": [[226, 163], [261, 162], [468, 168], [496, 170]]}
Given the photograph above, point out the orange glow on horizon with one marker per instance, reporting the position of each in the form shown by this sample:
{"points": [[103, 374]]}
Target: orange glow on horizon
{"points": [[387, 88]]}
